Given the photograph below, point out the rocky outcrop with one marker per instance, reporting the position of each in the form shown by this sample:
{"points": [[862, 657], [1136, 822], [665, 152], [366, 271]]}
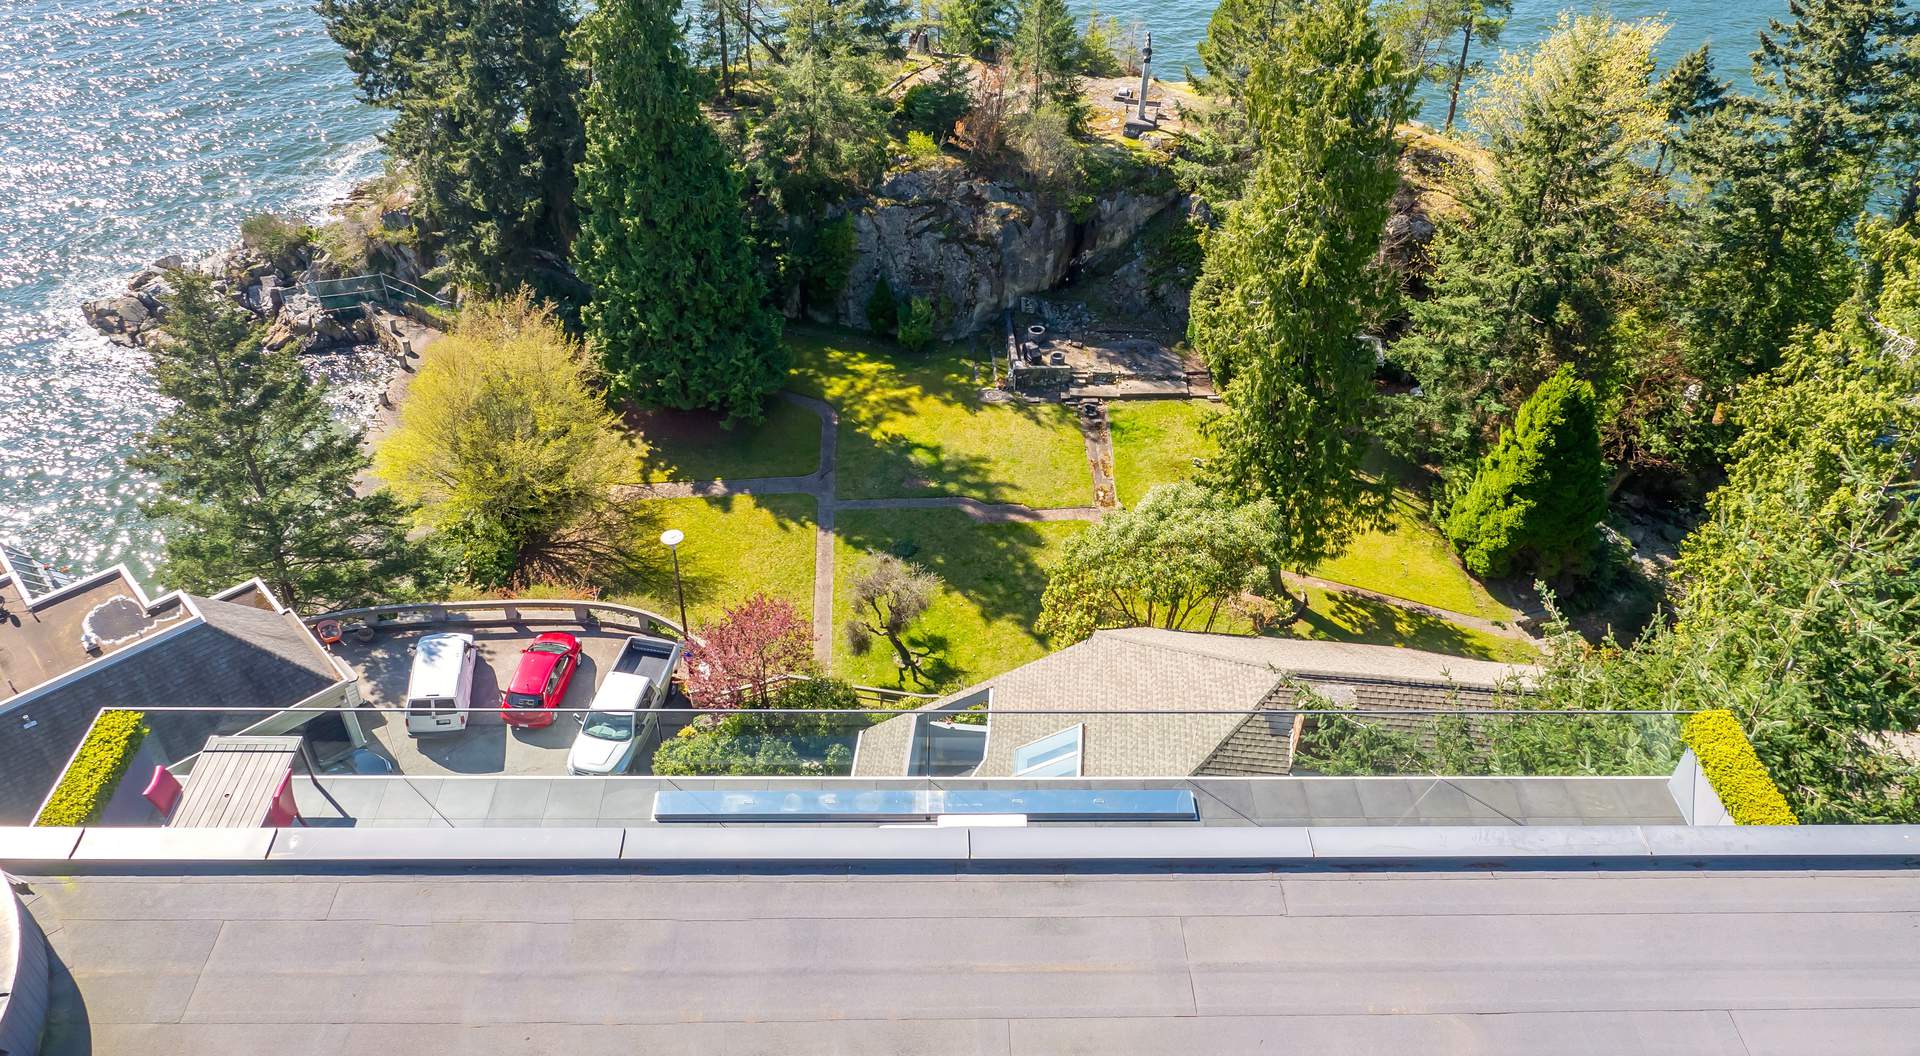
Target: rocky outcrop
{"points": [[274, 292], [974, 246]]}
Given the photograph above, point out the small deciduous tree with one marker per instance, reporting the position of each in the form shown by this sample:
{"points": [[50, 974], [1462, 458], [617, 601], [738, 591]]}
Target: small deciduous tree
{"points": [[1541, 490], [889, 595], [1185, 552], [255, 478], [739, 658], [506, 445]]}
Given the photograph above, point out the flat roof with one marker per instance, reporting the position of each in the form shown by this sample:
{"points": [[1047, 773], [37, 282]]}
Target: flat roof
{"points": [[42, 640], [1051, 962]]}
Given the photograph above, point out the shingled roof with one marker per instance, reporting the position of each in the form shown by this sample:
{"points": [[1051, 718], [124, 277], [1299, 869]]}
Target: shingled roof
{"points": [[219, 654], [1144, 696]]}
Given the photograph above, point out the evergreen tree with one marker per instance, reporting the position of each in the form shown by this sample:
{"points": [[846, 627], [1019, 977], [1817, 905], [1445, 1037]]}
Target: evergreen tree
{"points": [[1781, 174], [677, 315], [1046, 50], [824, 137], [975, 27], [1240, 34], [1527, 278], [255, 478], [1797, 604], [1542, 489], [486, 123], [1474, 20], [1291, 278], [1690, 93], [860, 27]]}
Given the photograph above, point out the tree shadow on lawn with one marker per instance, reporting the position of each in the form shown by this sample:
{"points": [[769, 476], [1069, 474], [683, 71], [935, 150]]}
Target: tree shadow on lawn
{"points": [[900, 467], [996, 567], [1350, 619], [784, 443], [872, 380]]}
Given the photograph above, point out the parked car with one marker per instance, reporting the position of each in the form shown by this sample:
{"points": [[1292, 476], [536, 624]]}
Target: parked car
{"points": [[621, 717], [440, 686], [540, 682]]}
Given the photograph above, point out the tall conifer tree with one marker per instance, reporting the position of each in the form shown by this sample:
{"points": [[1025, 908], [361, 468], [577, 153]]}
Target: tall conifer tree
{"points": [[255, 478], [678, 314], [487, 123], [1291, 278]]}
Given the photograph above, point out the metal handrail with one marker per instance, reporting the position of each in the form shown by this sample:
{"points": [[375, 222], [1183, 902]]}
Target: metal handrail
{"points": [[378, 616]]}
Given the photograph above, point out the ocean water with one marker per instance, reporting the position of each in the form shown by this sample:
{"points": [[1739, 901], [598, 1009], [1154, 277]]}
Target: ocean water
{"points": [[133, 130]]}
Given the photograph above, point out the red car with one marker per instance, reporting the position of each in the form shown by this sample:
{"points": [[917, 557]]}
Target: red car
{"points": [[541, 681]]}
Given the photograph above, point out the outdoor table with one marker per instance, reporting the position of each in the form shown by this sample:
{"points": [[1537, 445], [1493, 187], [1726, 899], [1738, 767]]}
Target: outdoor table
{"points": [[234, 781]]}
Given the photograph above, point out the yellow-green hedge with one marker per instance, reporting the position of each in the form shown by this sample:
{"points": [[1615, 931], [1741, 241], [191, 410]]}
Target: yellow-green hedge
{"points": [[1734, 771], [103, 757]]}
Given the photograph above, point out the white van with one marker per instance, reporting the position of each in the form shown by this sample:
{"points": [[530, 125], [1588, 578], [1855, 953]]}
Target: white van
{"points": [[440, 689]]}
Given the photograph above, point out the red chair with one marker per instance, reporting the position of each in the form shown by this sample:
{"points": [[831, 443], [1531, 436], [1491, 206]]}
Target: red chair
{"points": [[163, 791], [283, 812]]}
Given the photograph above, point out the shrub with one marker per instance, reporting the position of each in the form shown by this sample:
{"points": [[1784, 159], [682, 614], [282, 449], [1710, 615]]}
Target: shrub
{"points": [[916, 325], [1735, 772], [103, 757], [921, 147], [883, 312], [749, 742], [933, 107], [273, 236], [1538, 495], [829, 257]]}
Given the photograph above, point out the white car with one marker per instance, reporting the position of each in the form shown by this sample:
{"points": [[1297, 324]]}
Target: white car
{"points": [[610, 729], [440, 686]]}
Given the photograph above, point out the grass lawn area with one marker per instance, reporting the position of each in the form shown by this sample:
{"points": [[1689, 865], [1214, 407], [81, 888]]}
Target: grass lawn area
{"points": [[1155, 442], [1345, 618], [1409, 558], [692, 445], [735, 547], [981, 622], [913, 425]]}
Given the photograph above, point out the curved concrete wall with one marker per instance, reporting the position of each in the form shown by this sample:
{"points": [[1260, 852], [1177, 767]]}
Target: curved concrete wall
{"points": [[23, 977]]}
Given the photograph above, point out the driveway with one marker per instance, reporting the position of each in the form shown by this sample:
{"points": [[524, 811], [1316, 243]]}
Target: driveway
{"points": [[488, 745]]}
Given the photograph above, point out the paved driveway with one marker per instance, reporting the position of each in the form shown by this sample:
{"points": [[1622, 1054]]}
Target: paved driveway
{"points": [[488, 745]]}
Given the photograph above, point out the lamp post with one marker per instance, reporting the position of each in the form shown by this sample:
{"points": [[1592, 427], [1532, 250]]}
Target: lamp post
{"points": [[671, 539]]}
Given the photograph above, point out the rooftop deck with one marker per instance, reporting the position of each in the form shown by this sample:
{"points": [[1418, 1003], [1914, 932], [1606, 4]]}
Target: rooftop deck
{"points": [[1048, 963]]}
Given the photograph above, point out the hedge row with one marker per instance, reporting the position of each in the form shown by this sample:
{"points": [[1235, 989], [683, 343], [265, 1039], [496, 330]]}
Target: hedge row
{"points": [[103, 757], [1734, 771]]}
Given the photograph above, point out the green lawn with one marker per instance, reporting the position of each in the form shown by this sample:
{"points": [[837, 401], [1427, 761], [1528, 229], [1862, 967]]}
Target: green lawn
{"points": [[1155, 442], [1409, 559], [692, 445], [734, 547], [981, 623], [913, 425], [1345, 618]]}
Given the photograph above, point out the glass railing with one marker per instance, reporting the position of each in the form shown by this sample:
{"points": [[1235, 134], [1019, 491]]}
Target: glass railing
{"points": [[958, 742]]}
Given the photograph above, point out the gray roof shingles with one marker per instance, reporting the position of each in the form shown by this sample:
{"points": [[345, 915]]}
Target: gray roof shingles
{"points": [[236, 656]]}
